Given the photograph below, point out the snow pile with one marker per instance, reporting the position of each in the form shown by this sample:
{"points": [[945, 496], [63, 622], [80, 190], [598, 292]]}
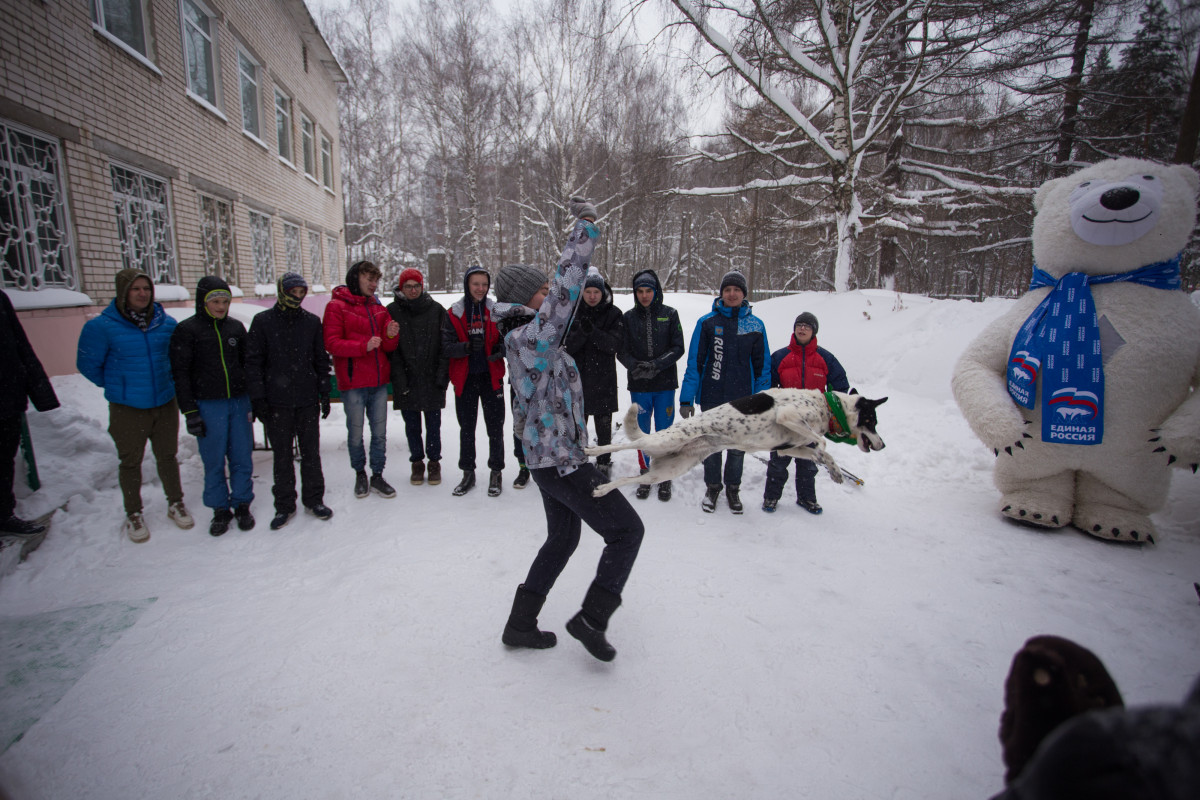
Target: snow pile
{"points": [[859, 654]]}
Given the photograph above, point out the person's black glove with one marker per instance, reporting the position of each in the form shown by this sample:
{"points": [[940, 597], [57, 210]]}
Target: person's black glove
{"points": [[474, 346], [686, 411], [325, 407], [642, 370], [586, 326], [262, 409], [195, 424], [582, 208], [496, 356]]}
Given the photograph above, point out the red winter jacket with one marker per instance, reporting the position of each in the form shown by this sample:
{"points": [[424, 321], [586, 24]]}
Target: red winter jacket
{"points": [[807, 367], [460, 366], [350, 320]]}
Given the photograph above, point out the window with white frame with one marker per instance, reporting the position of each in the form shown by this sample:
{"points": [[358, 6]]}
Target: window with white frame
{"points": [[248, 78], [315, 262], [264, 252], [127, 21], [308, 144], [283, 125], [143, 206], [35, 236], [216, 237], [327, 163], [200, 56], [331, 258], [291, 249]]}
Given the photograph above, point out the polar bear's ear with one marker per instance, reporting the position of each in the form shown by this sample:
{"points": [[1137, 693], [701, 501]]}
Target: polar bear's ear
{"points": [[1189, 176], [1044, 191]]}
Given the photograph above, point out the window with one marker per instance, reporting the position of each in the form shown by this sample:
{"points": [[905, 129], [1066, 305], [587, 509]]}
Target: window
{"points": [[264, 253], [199, 50], [248, 75], [125, 22], [291, 249], [315, 262], [327, 163], [216, 237], [331, 258], [144, 223], [283, 125], [308, 144], [34, 235]]}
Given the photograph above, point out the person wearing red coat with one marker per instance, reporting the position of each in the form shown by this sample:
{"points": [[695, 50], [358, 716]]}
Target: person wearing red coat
{"points": [[359, 334]]}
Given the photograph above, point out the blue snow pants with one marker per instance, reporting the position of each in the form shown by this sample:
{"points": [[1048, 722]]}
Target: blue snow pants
{"points": [[227, 437]]}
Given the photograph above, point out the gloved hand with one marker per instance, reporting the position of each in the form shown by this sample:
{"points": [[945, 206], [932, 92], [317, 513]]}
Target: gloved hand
{"points": [[686, 411], [262, 409], [195, 424], [643, 370], [582, 208], [325, 407], [474, 346], [586, 326], [496, 356]]}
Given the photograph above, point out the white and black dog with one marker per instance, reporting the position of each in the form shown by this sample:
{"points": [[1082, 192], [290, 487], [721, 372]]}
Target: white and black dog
{"points": [[792, 421]]}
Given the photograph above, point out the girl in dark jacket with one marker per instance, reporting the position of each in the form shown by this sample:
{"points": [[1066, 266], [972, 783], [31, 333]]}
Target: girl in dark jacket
{"points": [[420, 373], [593, 341], [208, 363]]}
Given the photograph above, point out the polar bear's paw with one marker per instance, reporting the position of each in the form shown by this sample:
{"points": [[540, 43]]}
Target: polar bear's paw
{"points": [[1114, 523], [1181, 451], [1037, 508]]}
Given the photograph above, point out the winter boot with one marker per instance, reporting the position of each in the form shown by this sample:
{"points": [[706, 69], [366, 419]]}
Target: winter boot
{"points": [[591, 622], [320, 511], [494, 487], [15, 526], [466, 484], [643, 490], [245, 519], [522, 478], [664, 491], [418, 473], [709, 503], [769, 505], [381, 487], [811, 506], [521, 630], [435, 473], [220, 522], [731, 497], [282, 518], [604, 464], [362, 486]]}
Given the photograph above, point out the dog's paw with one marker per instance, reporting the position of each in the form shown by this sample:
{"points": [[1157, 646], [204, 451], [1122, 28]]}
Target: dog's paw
{"points": [[835, 472]]}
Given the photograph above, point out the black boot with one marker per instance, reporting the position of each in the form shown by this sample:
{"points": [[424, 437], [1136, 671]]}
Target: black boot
{"points": [[521, 630], [709, 503], [735, 502], [494, 483], [664, 491], [590, 624], [522, 477], [643, 490], [466, 484]]}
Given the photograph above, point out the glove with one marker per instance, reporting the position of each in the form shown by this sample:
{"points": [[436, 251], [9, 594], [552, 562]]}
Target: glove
{"points": [[643, 370], [686, 411], [496, 356], [262, 409], [582, 208], [324, 406], [586, 326], [474, 346], [195, 424]]}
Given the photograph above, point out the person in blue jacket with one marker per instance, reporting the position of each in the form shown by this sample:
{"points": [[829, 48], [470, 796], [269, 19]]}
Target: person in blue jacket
{"points": [[728, 358], [125, 351]]}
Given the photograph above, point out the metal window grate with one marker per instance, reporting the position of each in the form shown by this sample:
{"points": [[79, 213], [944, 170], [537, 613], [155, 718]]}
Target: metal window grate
{"points": [[143, 209], [264, 252], [35, 234]]}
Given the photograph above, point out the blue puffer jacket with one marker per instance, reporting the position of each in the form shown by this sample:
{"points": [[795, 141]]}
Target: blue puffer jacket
{"points": [[131, 365], [727, 358]]}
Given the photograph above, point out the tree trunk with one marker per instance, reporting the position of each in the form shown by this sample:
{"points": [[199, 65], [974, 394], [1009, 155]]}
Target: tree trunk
{"points": [[1073, 93], [1189, 128]]}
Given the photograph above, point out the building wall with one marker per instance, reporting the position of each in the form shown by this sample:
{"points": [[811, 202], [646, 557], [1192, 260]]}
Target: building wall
{"points": [[63, 78]]}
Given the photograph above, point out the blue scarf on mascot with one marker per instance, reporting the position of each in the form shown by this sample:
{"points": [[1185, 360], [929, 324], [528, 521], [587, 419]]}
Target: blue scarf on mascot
{"points": [[1060, 341]]}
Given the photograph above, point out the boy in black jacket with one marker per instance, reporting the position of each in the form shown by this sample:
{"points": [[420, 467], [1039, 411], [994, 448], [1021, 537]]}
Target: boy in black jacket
{"points": [[287, 372]]}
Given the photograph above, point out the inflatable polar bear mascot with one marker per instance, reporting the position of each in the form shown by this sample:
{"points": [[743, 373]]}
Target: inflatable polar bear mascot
{"points": [[1089, 387]]}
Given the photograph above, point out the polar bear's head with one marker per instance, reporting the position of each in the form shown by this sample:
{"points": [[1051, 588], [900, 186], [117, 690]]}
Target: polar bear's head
{"points": [[1114, 216]]}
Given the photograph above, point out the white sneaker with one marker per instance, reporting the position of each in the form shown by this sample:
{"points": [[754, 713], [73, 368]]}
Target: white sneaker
{"points": [[178, 513], [135, 528]]}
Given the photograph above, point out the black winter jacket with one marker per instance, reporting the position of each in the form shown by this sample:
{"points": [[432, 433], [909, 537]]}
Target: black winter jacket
{"points": [[22, 377], [286, 361], [596, 336], [420, 368], [207, 355], [652, 334]]}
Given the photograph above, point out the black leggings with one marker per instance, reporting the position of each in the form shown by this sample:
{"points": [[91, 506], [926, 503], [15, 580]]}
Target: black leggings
{"points": [[569, 502]]}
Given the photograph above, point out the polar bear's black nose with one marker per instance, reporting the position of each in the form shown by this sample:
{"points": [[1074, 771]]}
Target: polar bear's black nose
{"points": [[1120, 198]]}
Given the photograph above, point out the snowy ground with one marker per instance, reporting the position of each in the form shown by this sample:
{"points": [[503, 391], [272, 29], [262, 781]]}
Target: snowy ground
{"points": [[860, 654]]}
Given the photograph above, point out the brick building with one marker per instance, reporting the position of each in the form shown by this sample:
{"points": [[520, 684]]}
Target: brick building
{"points": [[183, 137]]}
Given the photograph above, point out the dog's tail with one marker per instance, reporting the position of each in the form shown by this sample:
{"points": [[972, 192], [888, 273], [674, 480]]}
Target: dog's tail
{"points": [[632, 431]]}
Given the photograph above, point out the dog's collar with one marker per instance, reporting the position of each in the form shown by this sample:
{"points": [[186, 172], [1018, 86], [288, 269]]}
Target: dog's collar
{"points": [[839, 430]]}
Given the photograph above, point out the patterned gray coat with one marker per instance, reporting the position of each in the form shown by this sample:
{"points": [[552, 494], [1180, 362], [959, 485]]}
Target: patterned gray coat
{"points": [[548, 407]]}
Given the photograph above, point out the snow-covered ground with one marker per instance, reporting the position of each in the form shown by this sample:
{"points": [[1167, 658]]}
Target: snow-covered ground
{"points": [[859, 654]]}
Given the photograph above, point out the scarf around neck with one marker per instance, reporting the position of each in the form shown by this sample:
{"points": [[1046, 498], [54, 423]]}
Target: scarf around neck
{"points": [[1060, 342]]}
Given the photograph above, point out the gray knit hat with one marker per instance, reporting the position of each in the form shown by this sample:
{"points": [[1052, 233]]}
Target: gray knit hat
{"points": [[809, 319], [518, 283], [735, 278]]}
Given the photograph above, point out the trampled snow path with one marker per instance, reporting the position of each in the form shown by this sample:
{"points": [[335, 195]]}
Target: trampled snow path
{"points": [[859, 654]]}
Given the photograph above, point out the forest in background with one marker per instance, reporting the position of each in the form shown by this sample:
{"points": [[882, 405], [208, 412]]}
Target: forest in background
{"points": [[865, 143]]}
